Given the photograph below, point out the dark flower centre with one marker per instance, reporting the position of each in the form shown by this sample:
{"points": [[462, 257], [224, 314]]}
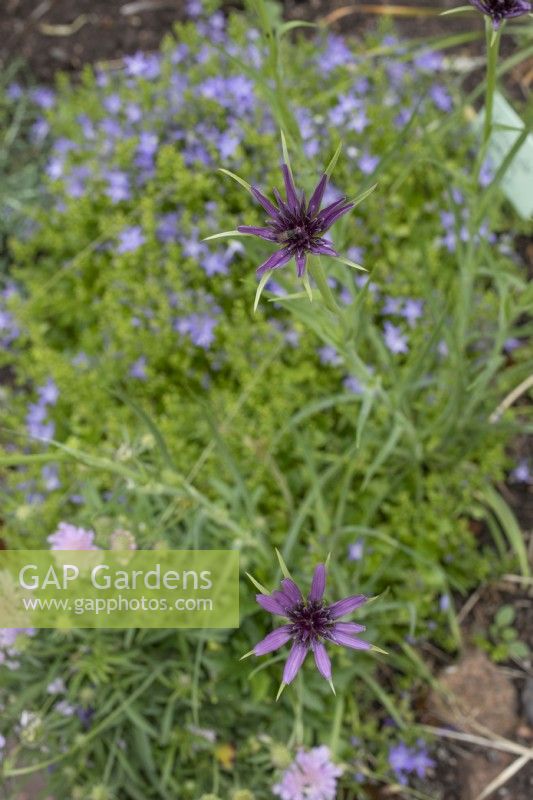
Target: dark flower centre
{"points": [[299, 232], [310, 621]]}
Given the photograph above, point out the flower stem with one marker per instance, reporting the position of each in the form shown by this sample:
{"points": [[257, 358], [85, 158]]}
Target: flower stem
{"points": [[336, 726], [316, 271], [493, 49]]}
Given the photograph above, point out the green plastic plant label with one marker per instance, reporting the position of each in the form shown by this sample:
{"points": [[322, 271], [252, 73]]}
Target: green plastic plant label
{"points": [[119, 589], [517, 183]]}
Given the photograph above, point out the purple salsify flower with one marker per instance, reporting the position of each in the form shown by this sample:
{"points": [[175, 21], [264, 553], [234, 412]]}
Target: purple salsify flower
{"points": [[500, 10], [296, 225], [441, 98], [138, 369], [521, 473], [311, 623]]}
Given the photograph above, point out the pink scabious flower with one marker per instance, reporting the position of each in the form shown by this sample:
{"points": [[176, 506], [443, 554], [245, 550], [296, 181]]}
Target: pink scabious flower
{"points": [[311, 623], [69, 537], [311, 776]]}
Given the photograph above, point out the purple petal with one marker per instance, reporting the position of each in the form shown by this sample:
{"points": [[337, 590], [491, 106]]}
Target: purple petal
{"points": [[301, 261], [323, 664], [290, 189], [294, 662], [318, 586], [273, 641], [264, 233], [348, 641], [275, 261], [269, 207], [324, 249], [333, 216], [346, 606], [269, 603], [349, 627], [292, 591], [284, 600], [316, 197]]}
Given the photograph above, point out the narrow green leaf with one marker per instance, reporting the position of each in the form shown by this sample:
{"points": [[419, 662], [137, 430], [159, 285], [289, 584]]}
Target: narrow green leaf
{"points": [[257, 585], [360, 197], [284, 568], [285, 151], [458, 10], [224, 234], [261, 286], [510, 526], [348, 263], [331, 166], [241, 181], [307, 287]]}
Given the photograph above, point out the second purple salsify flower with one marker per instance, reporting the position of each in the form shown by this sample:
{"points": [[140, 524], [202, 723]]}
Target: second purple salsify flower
{"points": [[295, 225], [311, 624], [500, 10]]}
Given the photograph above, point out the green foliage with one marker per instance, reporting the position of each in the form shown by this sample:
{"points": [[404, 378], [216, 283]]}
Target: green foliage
{"points": [[258, 440]]}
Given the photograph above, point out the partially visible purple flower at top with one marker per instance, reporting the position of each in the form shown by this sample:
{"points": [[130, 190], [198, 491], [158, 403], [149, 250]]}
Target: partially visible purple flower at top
{"points": [[138, 369], [407, 760], [521, 473], [311, 623], [295, 225], [130, 239], [329, 356], [69, 537], [142, 65], [500, 10], [395, 340], [311, 776]]}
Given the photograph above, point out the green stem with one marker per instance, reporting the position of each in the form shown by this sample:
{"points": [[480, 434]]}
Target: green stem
{"points": [[316, 270], [336, 726], [493, 50]]}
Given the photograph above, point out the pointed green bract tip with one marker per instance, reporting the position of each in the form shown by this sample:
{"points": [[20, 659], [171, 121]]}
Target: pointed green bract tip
{"points": [[246, 655], [307, 287], [280, 690], [331, 166], [332, 687], [257, 585], [259, 292], [284, 567], [285, 151], [378, 650], [239, 180], [328, 557]]}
